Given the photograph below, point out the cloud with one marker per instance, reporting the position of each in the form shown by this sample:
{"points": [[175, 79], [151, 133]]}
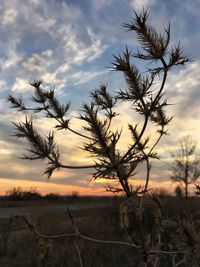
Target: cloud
{"points": [[140, 4], [75, 50], [3, 86], [183, 91], [85, 76], [47, 46], [13, 58], [101, 4], [9, 16], [20, 85], [6, 148], [38, 63]]}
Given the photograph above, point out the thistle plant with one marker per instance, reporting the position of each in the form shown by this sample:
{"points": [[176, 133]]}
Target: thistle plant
{"points": [[146, 95], [142, 92]]}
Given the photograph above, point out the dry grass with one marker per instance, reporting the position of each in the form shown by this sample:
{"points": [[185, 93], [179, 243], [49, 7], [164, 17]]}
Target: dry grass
{"points": [[20, 247]]}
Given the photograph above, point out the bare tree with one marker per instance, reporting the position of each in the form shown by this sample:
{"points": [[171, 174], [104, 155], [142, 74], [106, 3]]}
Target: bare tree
{"points": [[186, 166]]}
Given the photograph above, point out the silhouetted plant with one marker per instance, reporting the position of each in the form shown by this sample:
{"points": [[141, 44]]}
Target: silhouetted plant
{"points": [[186, 165], [146, 99], [146, 95]]}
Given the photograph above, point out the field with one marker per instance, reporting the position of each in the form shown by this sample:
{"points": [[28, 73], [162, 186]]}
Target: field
{"points": [[19, 246]]}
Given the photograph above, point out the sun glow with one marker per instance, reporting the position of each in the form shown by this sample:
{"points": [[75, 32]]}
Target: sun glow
{"points": [[47, 187]]}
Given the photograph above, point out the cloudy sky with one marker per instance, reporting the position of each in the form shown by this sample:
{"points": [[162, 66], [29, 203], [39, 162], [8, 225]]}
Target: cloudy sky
{"points": [[70, 44]]}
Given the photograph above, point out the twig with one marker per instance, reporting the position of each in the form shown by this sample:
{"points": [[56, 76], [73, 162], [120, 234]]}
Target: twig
{"points": [[76, 167], [80, 134], [166, 252], [179, 263], [78, 253], [74, 241], [77, 235]]}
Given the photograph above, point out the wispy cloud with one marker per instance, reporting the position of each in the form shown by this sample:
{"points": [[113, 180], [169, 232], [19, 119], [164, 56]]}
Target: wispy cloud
{"points": [[41, 42]]}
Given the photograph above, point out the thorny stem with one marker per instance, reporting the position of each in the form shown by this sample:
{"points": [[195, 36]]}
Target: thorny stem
{"points": [[123, 183], [118, 169], [76, 167], [144, 128], [148, 167], [162, 86], [82, 135], [147, 115], [61, 121], [138, 140], [157, 141], [60, 165], [108, 126]]}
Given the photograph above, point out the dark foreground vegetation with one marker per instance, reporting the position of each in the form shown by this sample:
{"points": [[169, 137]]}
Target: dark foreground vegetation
{"points": [[20, 246]]}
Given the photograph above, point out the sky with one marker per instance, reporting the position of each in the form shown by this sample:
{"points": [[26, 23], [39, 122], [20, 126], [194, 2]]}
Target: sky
{"points": [[70, 45]]}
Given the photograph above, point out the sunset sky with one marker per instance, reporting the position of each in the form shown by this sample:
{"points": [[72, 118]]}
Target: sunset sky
{"points": [[70, 45]]}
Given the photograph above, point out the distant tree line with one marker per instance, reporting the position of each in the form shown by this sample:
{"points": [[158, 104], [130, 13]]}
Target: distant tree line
{"points": [[17, 194]]}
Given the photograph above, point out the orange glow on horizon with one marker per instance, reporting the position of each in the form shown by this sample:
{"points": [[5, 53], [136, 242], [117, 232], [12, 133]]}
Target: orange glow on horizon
{"points": [[62, 189], [48, 187]]}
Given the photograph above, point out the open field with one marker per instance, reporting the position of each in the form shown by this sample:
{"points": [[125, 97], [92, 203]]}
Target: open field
{"points": [[21, 247], [34, 208]]}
